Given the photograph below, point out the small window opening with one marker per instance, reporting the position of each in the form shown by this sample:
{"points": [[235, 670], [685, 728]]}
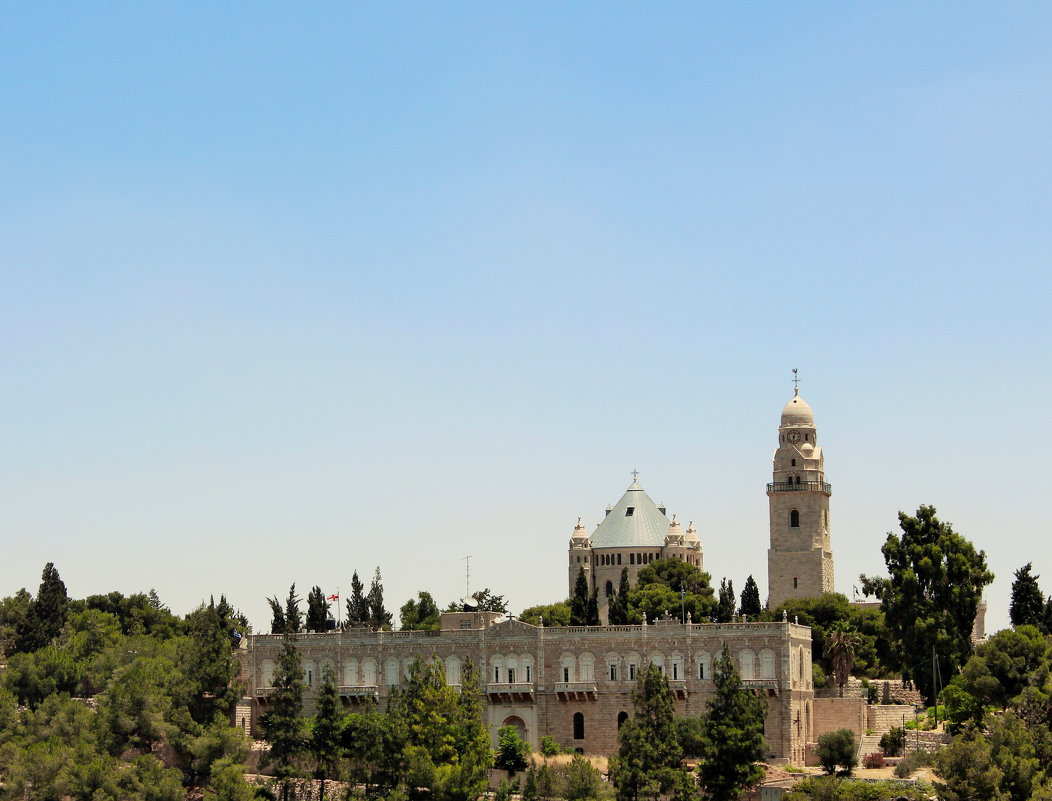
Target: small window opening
{"points": [[529, 674], [629, 511], [798, 479], [631, 559], [631, 672], [793, 463], [496, 673], [796, 582], [701, 670], [675, 671], [511, 675], [578, 726], [619, 558], [621, 718], [609, 588], [566, 670], [794, 519]]}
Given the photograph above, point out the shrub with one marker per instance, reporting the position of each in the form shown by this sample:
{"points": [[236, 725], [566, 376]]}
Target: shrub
{"points": [[917, 759], [891, 743], [818, 677], [874, 760], [549, 747], [837, 749]]}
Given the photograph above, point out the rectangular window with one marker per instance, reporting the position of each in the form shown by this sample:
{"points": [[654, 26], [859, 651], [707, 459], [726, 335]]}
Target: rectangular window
{"points": [[613, 673], [629, 511], [675, 671], [528, 679], [794, 463], [701, 670], [566, 674], [631, 672], [619, 558], [496, 673], [511, 675], [631, 559]]}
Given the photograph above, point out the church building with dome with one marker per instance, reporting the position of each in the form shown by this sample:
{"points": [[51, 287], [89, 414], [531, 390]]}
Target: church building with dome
{"points": [[575, 683]]}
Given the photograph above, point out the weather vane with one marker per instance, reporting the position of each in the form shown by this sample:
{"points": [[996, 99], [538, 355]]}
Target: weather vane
{"points": [[796, 382]]}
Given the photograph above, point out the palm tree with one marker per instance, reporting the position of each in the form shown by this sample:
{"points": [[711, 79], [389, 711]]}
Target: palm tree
{"points": [[841, 643]]}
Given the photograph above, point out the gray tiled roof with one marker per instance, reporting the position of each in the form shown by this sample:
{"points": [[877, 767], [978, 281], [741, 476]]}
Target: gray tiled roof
{"points": [[646, 526]]}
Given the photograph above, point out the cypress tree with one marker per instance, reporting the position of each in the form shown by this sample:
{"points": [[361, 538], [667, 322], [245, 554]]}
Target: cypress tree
{"points": [[727, 603], [593, 608], [293, 616], [732, 735], [1028, 604], [579, 602], [379, 617], [46, 614], [750, 600], [326, 738], [618, 614], [317, 610], [282, 726], [357, 605], [277, 619]]}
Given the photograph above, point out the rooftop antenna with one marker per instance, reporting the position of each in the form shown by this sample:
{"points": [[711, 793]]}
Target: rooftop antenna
{"points": [[796, 383], [467, 576]]}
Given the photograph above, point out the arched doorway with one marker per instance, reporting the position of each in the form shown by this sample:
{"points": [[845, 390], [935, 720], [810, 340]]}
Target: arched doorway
{"points": [[519, 724]]}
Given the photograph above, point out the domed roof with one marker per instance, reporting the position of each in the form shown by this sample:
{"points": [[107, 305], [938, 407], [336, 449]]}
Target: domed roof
{"points": [[634, 520], [797, 413]]}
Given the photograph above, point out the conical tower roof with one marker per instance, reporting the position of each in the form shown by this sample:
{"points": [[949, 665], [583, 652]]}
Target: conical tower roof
{"points": [[634, 521]]}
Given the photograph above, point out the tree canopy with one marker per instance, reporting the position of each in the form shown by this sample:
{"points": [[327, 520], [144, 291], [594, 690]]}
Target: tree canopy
{"points": [[1027, 607], [931, 596]]}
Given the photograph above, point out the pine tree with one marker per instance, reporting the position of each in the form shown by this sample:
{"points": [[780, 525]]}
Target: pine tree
{"points": [[733, 735], [281, 724], [648, 761], [727, 603], [618, 610], [1028, 604], [46, 614], [325, 742], [317, 610], [208, 664], [750, 600], [357, 604], [293, 616], [579, 602], [379, 617]]}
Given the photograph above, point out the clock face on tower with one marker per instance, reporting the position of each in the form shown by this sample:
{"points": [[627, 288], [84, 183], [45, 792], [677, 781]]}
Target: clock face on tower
{"points": [[793, 436]]}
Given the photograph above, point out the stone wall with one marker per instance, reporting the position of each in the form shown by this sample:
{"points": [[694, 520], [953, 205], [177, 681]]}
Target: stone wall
{"points": [[885, 717], [541, 679], [839, 713]]}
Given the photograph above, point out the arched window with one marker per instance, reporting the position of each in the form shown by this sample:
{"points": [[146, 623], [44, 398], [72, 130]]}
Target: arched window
{"points": [[621, 718], [794, 519], [267, 679], [609, 588], [798, 479], [452, 670], [748, 664], [369, 672], [704, 669], [350, 672], [767, 664], [578, 726], [587, 665]]}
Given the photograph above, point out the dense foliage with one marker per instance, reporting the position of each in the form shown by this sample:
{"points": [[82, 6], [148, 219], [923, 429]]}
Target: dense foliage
{"points": [[930, 597]]}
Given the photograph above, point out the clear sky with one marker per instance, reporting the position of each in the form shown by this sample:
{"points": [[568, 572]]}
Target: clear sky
{"points": [[294, 290]]}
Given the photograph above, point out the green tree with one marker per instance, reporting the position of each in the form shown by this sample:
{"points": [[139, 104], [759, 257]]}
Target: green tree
{"points": [[513, 753], [207, 662], [727, 603], [379, 617], [750, 599], [592, 618], [421, 614], [557, 614], [733, 734], [1003, 666], [837, 749], [227, 783], [931, 596], [46, 613], [277, 616], [293, 616], [13, 611], [326, 745], [618, 609], [317, 610], [357, 603], [579, 600], [841, 643], [658, 590], [281, 724], [486, 601], [968, 771], [136, 708], [1028, 604], [647, 764]]}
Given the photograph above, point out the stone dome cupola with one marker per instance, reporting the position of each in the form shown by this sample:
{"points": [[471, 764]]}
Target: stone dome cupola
{"points": [[579, 538], [675, 533], [797, 413]]}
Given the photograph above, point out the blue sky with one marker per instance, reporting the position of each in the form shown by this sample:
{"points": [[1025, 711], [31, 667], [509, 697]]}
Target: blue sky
{"points": [[289, 292]]}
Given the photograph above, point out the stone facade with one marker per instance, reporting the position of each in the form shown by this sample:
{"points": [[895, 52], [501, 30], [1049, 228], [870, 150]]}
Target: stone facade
{"points": [[800, 559], [573, 684]]}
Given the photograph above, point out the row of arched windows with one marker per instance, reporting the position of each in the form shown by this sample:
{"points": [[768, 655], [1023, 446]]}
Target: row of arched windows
{"points": [[517, 668]]}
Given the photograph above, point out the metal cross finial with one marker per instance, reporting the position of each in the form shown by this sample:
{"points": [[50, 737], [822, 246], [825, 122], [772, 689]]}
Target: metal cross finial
{"points": [[635, 473], [796, 383]]}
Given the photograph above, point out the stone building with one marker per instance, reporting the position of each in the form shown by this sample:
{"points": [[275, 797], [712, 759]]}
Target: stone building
{"points": [[573, 684]]}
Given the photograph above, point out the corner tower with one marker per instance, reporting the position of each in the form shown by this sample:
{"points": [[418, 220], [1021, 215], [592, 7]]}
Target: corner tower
{"points": [[800, 559]]}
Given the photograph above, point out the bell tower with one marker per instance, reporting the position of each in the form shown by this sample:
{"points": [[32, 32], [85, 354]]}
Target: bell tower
{"points": [[800, 559]]}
